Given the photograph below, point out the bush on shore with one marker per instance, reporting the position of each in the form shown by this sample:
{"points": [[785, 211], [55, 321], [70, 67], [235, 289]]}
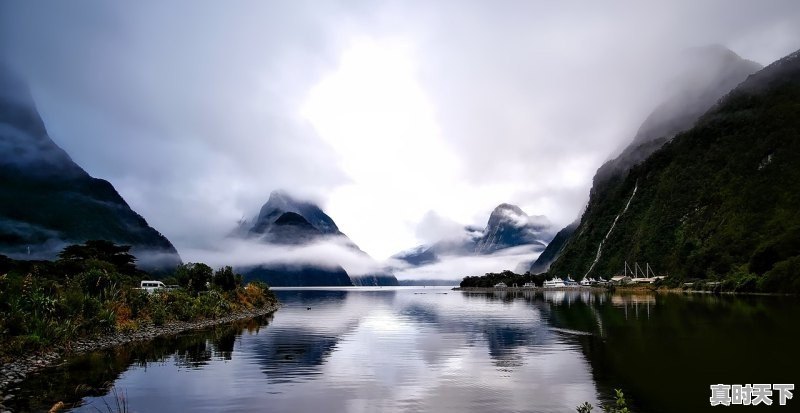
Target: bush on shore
{"points": [[92, 289]]}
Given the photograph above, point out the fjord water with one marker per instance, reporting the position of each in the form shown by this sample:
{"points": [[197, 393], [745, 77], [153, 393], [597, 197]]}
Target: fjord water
{"points": [[432, 349]]}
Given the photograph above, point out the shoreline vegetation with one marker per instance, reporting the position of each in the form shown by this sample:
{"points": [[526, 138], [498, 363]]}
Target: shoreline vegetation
{"points": [[89, 299], [486, 283], [16, 371]]}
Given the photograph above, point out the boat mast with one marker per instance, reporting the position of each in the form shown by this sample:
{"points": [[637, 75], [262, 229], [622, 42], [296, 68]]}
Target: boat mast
{"points": [[638, 270]]}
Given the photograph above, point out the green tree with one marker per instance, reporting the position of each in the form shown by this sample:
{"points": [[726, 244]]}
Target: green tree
{"points": [[75, 256], [226, 279], [195, 277]]}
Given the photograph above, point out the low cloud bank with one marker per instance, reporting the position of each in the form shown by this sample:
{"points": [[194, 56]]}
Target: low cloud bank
{"points": [[336, 251], [457, 267], [328, 253]]}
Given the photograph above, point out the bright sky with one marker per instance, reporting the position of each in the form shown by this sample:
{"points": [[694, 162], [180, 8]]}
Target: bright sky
{"points": [[378, 119], [392, 115]]}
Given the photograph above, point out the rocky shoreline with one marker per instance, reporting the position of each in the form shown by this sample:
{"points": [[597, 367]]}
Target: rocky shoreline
{"points": [[11, 374]]}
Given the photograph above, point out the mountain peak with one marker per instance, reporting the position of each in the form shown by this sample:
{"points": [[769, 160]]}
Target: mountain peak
{"points": [[280, 202], [707, 204], [513, 215], [24, 139], [280, 197], [510, 226], [506, 215], [508, 207], [55, 202], [706, 75], [285, 220], [710, 51]]}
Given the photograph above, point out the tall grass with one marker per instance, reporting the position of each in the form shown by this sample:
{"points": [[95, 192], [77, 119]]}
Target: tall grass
{"points": [[47, 303], [118, 404]]}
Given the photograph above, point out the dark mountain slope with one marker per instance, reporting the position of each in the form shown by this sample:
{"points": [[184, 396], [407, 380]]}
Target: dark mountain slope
{"points": [[283, 275], [718, 200], [48, 201], [291, 229], [706, 75], [553, 249]]}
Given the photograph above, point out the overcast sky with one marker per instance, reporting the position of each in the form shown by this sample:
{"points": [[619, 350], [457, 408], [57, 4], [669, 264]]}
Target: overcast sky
{"points": [[386, 113]]}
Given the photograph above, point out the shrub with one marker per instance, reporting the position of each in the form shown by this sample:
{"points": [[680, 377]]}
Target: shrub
{"points": [[210, 305], [195, 277], [226, 279], [82, 294], [138, 301], [782, 277], [158, 313], [619, 406]]}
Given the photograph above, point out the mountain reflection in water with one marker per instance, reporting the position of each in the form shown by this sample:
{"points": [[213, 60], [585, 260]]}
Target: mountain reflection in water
{"points": [[412, 349]]}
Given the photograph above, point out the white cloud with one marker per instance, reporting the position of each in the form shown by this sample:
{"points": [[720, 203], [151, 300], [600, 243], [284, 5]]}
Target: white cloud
{"points": [[433, 228], [457, 267], [329, 253], [382, 111]]}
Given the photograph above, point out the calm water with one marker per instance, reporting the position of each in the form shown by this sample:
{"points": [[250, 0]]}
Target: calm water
{"points": [[432, 349]]}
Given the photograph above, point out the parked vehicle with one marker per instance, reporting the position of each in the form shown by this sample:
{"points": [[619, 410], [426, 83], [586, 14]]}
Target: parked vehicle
{"points": [[152, 286]]}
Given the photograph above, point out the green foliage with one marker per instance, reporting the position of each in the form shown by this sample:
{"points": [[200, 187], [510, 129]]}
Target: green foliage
{"points": [[719, 196], [43, 303], [138, 301], [158, 313], [619, 406], [226, 280], [100, 250], [211, 305], [784, 276], [510, 278], [194, 277]]}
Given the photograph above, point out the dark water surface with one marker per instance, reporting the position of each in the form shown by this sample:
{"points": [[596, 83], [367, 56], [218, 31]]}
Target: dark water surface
{"points": [[432, 349]]}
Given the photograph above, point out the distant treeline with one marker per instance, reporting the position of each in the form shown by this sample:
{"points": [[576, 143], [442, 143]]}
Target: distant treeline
{"points": [[508, 277]]}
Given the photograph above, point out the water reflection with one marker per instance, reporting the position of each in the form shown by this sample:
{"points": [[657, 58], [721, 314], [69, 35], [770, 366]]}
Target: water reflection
{"points": [[93, 375], [437, 350], [666, 350]]}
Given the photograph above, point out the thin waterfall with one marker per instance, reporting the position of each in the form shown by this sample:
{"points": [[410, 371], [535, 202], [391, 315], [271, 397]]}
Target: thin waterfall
{"points": [[600, 247]]}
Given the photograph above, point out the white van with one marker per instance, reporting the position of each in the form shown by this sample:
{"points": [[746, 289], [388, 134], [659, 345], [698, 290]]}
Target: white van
{"points": [[152, 286]]}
